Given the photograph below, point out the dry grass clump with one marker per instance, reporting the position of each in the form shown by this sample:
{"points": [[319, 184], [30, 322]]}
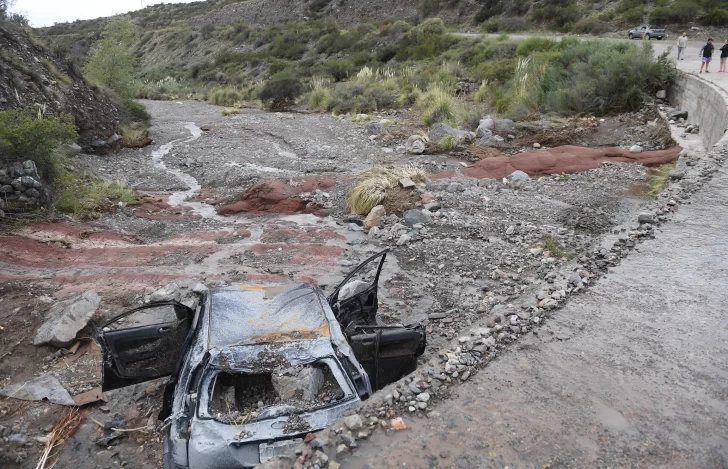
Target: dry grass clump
{"points": [[64, 429], [134, 134], [378, 184]]}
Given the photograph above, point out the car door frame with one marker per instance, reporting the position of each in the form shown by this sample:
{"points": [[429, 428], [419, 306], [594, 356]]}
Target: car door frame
{"points": [[368, 316], [112, 376]]}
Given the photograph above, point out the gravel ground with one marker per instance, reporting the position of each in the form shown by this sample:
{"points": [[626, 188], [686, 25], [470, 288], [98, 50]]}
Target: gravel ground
{"points": [[489, 248]]}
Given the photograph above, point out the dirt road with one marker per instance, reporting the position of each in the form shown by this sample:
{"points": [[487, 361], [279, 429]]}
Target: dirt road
{"points": [[636, 377]]}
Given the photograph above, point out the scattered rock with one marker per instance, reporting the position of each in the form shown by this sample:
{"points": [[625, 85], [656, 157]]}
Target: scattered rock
{"points": [[646, 217], [375, 217], [635, 149], [353, 422], [415, 217], [374, 128], [407, 183], [676, 174], [661, 94], [519, 175], [169, 292], [66, 318], [416, 145], [43, 388]]}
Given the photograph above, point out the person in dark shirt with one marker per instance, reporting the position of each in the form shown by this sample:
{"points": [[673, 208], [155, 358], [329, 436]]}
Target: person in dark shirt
{"points": [[723, 56], [706, 52]]}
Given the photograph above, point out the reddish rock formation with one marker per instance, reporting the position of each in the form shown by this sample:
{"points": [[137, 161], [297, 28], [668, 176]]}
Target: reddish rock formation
{"points": [[277, 196], [565, 159]]}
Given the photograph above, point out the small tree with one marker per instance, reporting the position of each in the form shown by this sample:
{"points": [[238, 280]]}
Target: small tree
{"points": [[25, 133], [112, 59], [280, 91]]}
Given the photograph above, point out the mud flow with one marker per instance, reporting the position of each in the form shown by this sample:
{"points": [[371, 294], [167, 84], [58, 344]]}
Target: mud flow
{"points": [[239, 398]]}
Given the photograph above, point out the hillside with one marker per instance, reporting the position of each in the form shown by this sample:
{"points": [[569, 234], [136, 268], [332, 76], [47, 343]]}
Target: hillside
{"points": [[36, 78]]}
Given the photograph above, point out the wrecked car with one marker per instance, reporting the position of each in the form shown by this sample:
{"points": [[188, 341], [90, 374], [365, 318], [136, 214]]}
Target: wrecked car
{"points": [[252, 369]]}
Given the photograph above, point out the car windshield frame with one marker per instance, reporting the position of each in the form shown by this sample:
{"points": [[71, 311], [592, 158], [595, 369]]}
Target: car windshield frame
{"points": [[211, 370]]}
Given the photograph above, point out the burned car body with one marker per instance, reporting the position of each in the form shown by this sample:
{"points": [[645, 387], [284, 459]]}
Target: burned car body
{"points": [[254, 368]]}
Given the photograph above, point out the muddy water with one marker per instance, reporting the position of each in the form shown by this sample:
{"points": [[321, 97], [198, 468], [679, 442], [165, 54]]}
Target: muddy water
{"points": [[638, 376]]}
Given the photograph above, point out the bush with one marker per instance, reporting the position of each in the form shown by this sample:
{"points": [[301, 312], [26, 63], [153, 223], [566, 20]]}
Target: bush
{"points": [[26, 134], [491, 26], [716, 17], [590, 25], [338, 69], [447, 143], [437, 105], [512, 25], [133, 135], [225, 96], [85, 196], [280, 91], [534, 44], [377, 183]]}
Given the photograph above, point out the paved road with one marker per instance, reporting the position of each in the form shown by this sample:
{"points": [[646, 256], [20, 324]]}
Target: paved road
{"points": [[641, 382]]}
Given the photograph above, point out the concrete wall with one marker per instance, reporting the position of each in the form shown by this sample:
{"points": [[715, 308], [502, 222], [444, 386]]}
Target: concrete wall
{"points": [[707, 106]]}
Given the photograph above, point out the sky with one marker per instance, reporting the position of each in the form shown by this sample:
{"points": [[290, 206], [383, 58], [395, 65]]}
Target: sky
{"points": [[47, 12]]}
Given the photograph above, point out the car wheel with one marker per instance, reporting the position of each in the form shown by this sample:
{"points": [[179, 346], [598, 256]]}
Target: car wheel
{"points": [[659, 39], [630, 36], [648, 37]]}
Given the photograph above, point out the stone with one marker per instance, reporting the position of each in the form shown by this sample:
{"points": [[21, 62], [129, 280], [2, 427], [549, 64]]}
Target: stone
{"points": [[676, 174], [454, 187], [317, 443], [661, 94], [74, 148], [66, 318], [355, 227], [678, 114], [404, 239], [646, 217], [407, 183], [373, 232], [518, 175], [375, 217], [170, 292], [416, 145], [504, 125], [414, 217], [440, 131], [306, 384], [635, 149], [485, 127], [98, 143], [423, 397], [351, 288], [28, 181], [374, 128], [46, 387], [113, 139], [537, 145], [433, 206], [6, 189], [353, 422]]}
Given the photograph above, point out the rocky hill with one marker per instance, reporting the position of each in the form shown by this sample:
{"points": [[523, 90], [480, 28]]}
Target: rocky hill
{"points": [[33, 77]]}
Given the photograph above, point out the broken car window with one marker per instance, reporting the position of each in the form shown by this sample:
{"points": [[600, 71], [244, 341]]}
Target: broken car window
{"points": [[239, 398]]}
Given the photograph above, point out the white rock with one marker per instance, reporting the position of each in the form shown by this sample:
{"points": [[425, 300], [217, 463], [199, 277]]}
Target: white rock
{"points": [[635, 149], [66, 318]]}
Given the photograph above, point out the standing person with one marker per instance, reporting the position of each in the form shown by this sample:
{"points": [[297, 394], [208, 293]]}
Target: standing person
{"points": [[682, 43], [706, 52], [723, 56]]}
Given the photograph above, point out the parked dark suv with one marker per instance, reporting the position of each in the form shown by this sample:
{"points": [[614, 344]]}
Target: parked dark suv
{"points": [[252, 369], [648, 32]]}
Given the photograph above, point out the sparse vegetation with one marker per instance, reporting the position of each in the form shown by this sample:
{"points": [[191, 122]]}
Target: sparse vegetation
{"points": [[112, 60], [552, 245], [380, 183], [447, 143], [658, 179], [85, 196]]}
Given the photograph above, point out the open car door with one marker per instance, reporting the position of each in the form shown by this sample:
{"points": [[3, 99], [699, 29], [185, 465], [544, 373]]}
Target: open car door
{"points": [[144, 343], [387, 353], [354, 301]]}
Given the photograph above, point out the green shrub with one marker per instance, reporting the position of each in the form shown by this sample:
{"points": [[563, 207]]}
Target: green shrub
{"points": [[225, 96], [338, 69], [437, 105], [491, 26], [26, 134], [534, 44], [447, 143], [85, 196], [716, 17], [679, 12], [512, 25], [590, 25], [280, 91]]}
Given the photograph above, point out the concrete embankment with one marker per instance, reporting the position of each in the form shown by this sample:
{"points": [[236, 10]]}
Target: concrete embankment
{"points": [[706, 103]]}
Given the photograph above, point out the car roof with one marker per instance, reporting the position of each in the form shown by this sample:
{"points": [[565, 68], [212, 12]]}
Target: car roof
{"points": [[256, 314]]}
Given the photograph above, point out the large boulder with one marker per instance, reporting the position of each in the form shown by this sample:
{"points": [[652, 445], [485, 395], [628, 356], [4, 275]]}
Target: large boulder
{"points": [[503, 125], [66, 318], [304, 384]]}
